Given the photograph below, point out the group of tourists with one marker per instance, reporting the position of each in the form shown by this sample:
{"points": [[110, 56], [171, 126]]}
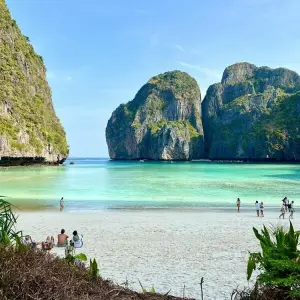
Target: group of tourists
{"points": [[259, 207], [286, 207], [62, 241]]}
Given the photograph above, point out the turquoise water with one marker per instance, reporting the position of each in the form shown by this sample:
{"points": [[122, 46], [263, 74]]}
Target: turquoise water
{"points": [[98, 183]]}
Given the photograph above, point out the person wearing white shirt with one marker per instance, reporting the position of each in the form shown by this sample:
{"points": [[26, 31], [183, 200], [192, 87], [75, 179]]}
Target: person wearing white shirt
{"points": [[257, 207], [77, 240]]}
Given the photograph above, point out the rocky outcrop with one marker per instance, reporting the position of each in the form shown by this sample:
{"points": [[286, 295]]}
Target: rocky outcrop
{"points": [[162, 122], [30, 131], [253, 113]]}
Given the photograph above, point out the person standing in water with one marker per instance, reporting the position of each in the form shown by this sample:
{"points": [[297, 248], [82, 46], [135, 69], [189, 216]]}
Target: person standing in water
{"points": [[292, 209], [282, 209], [261, 209], [62, 205], [238, 204], [257, 208]]}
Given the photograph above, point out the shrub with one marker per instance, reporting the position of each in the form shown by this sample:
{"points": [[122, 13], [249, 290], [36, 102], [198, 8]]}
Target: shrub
{"points": [[8, 221], [279, 263]]}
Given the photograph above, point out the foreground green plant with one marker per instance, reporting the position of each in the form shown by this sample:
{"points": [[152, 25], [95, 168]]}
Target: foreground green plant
{"points": [[8, 222], [72, 259], [279, 260], [94, 270], [152, 290]]}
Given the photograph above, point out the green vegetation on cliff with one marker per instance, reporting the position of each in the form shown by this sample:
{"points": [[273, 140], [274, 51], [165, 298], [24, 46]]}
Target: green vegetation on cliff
{"points": [[178, 82], [161, 122], [253, 114], [179, 125], [281, 126], [28, 121]]}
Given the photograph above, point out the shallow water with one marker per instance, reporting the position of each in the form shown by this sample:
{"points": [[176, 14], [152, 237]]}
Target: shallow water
{"points": [[100, 183]]}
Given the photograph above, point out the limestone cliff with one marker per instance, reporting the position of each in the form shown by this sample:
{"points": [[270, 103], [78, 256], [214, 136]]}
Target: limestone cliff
{"points": [[253, 113], [30, 131], [162, 122]]}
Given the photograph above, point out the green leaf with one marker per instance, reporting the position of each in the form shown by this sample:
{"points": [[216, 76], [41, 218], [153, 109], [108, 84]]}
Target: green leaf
{"points": [[251, 266], [167, 293], [143, 289], [94, 271], [81, 256], [5, 240]]}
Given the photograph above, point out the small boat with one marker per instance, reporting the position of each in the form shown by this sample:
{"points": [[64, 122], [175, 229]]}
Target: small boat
{"points": [[142, 160]]}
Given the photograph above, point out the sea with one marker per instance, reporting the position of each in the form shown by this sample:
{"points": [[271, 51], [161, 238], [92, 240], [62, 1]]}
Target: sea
{"points": [[100, 183]]}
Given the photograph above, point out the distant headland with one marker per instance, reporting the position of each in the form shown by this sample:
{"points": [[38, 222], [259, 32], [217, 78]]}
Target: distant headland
{"points": [[253, 114]]}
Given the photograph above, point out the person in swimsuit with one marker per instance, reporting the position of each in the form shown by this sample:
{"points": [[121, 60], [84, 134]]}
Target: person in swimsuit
{"points": [[62, 239], [292, 210], [62, 205], [48, 245], [238, 204], [282, 209], [262, 209]]}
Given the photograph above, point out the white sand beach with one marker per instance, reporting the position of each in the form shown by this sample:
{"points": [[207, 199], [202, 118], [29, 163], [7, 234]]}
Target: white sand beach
{"points": [[166, 248]]}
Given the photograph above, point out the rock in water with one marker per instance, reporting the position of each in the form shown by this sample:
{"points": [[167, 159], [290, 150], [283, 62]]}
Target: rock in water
{"points": [[30, 131], [162, 122], [253, 113]]}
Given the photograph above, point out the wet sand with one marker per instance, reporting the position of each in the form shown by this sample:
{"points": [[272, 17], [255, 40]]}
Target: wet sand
{"points": [[169, 249]]}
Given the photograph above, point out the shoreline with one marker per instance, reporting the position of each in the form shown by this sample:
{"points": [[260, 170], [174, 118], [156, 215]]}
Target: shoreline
{"points": [[98, 206], [72, 161]]}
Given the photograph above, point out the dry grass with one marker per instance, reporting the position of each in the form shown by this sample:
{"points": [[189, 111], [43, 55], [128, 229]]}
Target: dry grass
{"points": [[263, 293], [34, 274]]}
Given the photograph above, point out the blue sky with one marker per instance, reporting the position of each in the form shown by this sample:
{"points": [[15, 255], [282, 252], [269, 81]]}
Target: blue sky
{"points": [[99, 53]]}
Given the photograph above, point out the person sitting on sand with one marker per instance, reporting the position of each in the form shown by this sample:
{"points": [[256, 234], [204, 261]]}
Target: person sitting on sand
{"points": [[257, 208], [282, 209], [48, 245], [28, 241], [261, 209], [292, 210], [62, 239], [238, 204], [77, 240]]}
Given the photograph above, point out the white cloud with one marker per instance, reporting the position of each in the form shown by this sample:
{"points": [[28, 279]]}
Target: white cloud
{"points": [[179, 47], [208, 72]]}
